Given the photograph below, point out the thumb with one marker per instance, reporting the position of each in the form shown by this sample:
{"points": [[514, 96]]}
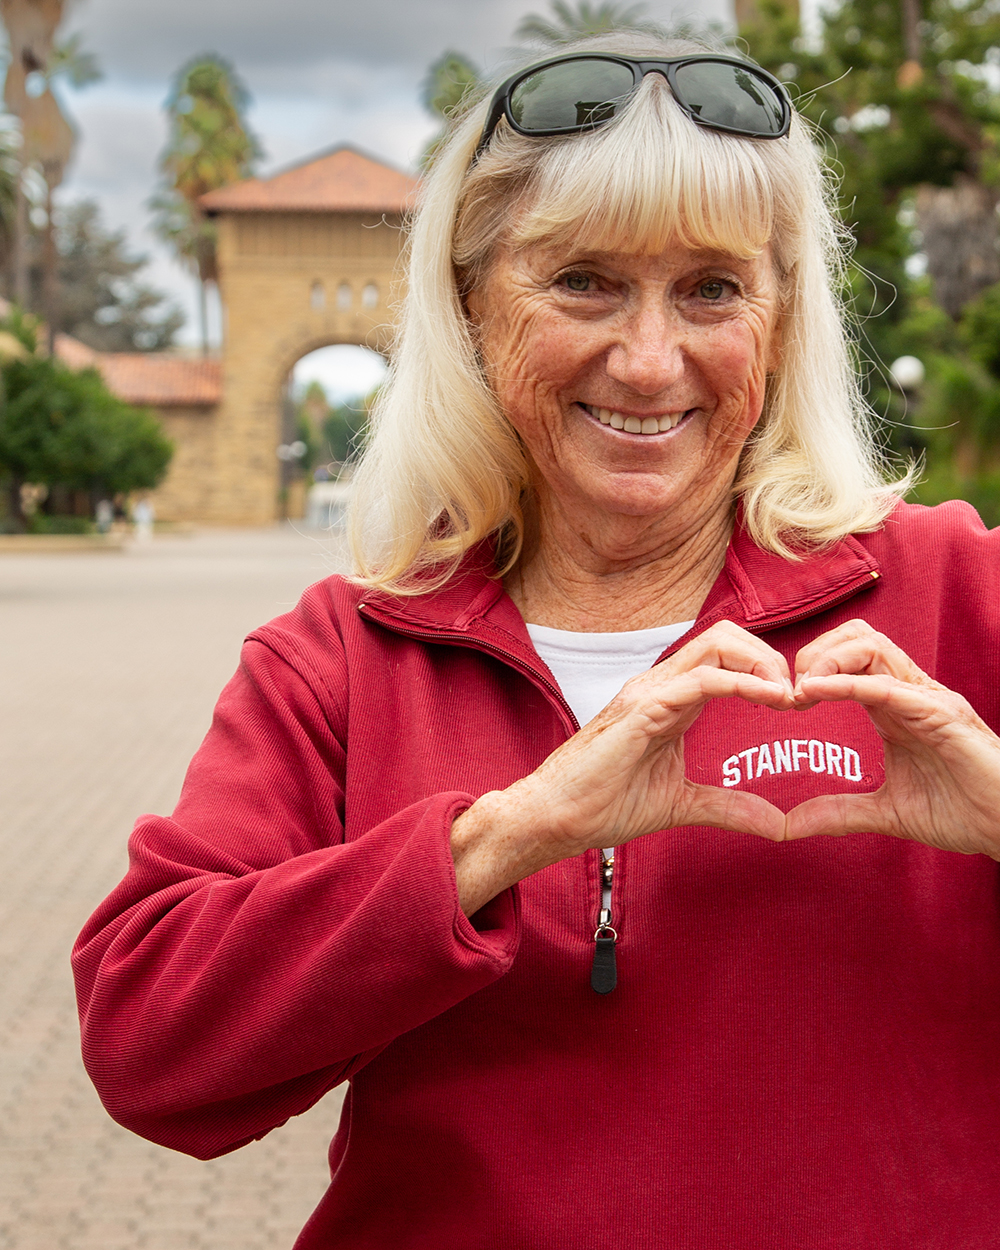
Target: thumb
{"points": [[831, 815], [731, 809]]}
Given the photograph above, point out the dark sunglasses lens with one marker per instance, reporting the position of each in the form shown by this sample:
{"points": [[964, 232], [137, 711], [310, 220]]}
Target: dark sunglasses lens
{"points": [[570, 95], [728, 95]]}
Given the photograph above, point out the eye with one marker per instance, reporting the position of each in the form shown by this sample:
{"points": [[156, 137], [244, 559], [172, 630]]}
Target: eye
{"points": [[577, 281], [714, 289]]}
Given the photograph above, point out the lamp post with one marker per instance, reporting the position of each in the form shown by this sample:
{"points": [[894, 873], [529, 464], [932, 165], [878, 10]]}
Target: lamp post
{"points": [[908, 373]]}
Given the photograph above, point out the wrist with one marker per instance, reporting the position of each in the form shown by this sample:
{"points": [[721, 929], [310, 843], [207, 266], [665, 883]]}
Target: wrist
{"points": [[494, 845]]}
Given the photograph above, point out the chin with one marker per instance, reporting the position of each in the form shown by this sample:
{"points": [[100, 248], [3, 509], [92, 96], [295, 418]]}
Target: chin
{"points": [[636, 499]]}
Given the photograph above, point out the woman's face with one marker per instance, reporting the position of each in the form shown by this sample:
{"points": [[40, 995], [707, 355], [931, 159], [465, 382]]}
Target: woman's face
{"points": [[591, 352]]}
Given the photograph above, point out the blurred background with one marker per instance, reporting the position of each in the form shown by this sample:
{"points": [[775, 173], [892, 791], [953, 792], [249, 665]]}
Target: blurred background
{"points": [[200, 212]]}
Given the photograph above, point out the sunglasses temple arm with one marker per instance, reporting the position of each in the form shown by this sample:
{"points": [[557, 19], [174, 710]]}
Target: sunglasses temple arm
{"points": [[496, 113]]}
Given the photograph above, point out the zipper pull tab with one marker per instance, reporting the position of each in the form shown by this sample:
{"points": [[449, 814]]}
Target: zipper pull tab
{"points": [[603, 971]]}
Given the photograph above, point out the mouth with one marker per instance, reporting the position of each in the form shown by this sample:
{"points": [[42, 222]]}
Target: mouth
{"points": [[632, 424]]}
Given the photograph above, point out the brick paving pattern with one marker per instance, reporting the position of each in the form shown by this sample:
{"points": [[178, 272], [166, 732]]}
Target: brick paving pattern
{"points": [[109, 667]]}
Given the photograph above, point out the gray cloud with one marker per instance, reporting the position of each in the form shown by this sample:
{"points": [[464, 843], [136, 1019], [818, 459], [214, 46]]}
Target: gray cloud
{"points": [[276, 44], [321, 72]]}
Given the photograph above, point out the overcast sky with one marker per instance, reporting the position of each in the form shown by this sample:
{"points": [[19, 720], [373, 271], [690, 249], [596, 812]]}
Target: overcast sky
{"points": [[321, 72]]}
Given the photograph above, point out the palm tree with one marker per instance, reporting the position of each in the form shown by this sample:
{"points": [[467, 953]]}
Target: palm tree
{"points": [[209, 147], [47, 137], [572, 22], [449, 81]]}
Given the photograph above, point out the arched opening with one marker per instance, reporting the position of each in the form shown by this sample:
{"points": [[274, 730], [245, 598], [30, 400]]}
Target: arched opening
{"points": [[324, 411]]}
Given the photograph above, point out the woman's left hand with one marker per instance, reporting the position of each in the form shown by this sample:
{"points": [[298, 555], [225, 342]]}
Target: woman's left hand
{"points": [[942, 762]]}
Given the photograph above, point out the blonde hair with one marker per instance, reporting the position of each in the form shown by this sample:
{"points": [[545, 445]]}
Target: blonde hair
{"points": [[444, 469]]}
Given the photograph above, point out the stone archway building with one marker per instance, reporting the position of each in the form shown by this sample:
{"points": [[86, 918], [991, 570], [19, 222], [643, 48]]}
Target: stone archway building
{"points": [[307, 258]]}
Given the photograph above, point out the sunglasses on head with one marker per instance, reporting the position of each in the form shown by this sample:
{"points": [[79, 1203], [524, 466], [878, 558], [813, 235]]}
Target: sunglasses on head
{"points": [[582, 91]]}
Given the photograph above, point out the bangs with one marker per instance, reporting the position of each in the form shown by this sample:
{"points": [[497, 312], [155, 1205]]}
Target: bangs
{"points": [[649, 178]]}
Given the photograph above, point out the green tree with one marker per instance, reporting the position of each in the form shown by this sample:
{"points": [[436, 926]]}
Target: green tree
{"points": [[570, 22], [65, 429], [101, 299], [900, 93], [450, 81], [72, 63], [344, 428], [209, 146]]}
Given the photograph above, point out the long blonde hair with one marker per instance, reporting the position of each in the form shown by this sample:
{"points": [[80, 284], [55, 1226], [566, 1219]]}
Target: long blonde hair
{"points": [[444, 468]]}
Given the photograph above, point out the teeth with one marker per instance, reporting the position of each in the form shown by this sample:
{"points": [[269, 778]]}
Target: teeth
{"points": [[635, 425]]}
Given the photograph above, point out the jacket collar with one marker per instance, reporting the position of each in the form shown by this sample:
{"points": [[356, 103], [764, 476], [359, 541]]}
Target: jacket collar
{"points": [[756, 589]]}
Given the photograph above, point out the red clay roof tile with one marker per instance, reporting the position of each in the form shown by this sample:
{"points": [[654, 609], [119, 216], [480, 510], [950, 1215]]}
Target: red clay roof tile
{"points": [[160, 380], [344, 180]]}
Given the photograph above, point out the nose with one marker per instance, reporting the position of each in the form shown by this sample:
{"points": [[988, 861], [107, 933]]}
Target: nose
{"points": [[649, 354]]}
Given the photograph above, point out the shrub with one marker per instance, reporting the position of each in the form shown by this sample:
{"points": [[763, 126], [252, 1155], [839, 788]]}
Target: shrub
{"points": [[63, 428]]}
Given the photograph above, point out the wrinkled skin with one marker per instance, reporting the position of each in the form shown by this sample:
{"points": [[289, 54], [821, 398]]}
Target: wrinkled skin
{"points": [[623, 516], [632, 530]]}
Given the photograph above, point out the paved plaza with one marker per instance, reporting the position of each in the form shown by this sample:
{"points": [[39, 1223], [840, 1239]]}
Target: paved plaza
{"points": [[109, 666]]}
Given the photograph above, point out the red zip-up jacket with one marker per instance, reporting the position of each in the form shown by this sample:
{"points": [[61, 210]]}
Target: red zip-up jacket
{"points": [[803, 1048]]}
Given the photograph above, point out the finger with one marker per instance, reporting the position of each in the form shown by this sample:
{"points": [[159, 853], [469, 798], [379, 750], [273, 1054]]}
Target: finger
{"points": [[684, 695], [833, 815], [901, 698], [643, 712], [867, 655], [730, 809], [726, 645], [881, 695], [870, 653], [855, 647], [932, 718], [806, 656], [859, 656]]}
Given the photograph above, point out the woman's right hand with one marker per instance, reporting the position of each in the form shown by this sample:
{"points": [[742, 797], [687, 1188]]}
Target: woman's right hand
{"points": [[622, 774]]}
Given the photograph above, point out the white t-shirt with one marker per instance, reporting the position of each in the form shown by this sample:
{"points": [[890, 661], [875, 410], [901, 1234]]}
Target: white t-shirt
{"points": [[592, 668]]}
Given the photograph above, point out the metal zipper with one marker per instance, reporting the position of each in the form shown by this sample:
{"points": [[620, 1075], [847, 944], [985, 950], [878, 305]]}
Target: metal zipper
{"points": [[603, 971]]}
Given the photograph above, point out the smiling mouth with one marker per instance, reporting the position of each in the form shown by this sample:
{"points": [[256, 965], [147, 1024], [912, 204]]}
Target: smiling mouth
{"points": [[636, 425]]}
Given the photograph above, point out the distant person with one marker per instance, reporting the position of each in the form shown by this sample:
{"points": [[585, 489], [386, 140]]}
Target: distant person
{"points": [[143, 516], [625, 830], [104, 515]]}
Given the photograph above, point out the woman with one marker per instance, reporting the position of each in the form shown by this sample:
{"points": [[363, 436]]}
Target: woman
{"points": [[622, 429]]}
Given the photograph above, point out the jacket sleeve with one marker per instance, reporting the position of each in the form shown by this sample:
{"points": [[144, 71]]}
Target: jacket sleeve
{"points": [[251, 959]]}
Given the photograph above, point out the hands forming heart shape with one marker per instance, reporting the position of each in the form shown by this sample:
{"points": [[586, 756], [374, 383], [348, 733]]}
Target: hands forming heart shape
{"points": [[623, 775]]}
